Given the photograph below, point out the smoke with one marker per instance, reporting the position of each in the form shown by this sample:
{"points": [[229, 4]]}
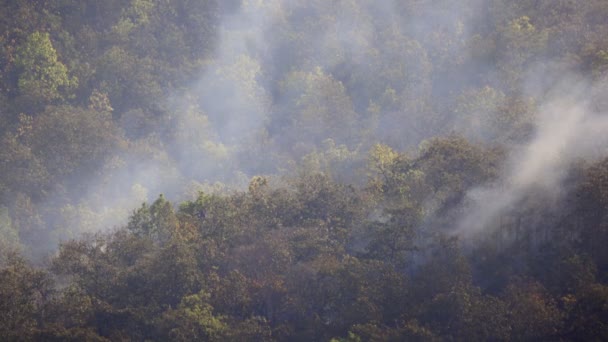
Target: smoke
{"points": [[288, 75], [193, 147], [568, 129], [287, 79], [295, 82]]}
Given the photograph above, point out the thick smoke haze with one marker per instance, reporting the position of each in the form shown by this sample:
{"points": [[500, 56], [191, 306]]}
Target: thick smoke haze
{"points": [[304, 170], [292, 85]]}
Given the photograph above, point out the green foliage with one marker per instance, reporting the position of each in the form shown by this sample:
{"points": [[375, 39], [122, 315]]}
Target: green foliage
{"points": [[363, 130], [318, 108], [279, 263], [194, 320], [156, 222], [129, 81], [71, 141], [42, 78], [24, 294], [489, 115]]}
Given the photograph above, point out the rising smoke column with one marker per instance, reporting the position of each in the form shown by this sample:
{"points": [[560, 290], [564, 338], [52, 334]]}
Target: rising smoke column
{"points": [[569, 128]]}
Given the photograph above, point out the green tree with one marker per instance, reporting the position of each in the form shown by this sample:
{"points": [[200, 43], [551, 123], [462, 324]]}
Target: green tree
{"points": [[72, 141], [317, 108], [521, 43], [194, 320], [42, 77], [157, 222], [24, 295]]}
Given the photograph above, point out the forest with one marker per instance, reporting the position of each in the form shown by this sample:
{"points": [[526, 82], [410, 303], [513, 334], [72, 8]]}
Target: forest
{"points": [[303, 170]]}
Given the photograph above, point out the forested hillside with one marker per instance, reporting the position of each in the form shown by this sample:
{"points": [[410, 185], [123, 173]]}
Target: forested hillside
{"points": [[303, 170]]}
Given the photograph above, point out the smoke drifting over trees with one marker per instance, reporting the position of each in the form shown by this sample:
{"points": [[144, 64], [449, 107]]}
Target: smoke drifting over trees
{"points": [[345, 170]]}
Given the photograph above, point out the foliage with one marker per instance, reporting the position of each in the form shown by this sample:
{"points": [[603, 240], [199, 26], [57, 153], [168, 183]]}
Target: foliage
{"points": [[42, 76], [316, 160]]}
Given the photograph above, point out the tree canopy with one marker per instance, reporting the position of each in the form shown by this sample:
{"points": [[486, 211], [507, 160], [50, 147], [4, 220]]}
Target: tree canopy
{"points": [[351, 170]]}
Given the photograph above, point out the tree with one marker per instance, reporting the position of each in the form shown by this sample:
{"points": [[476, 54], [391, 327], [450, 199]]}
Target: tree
{"points": [[194, 320], [317, 107], [533, 314], [156, 222], [71, 141], [21, 170], [42, 78], [25, 293], [521, 44], [9, 236], [488, 115], [588, 314]]}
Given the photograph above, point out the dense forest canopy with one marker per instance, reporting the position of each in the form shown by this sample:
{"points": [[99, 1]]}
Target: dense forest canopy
{"points": [[290, 170]]}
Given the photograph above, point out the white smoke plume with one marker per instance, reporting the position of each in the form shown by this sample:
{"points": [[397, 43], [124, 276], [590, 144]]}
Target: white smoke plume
{"points": [[569, 129]]}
